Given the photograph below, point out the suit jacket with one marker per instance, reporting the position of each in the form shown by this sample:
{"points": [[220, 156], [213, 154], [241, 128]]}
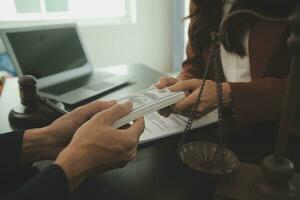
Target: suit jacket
{"points": [[261, 99], [19, 182]]}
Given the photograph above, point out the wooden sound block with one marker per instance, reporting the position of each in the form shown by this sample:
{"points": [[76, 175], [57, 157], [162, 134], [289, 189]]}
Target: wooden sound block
{"points": [[239, 185]]}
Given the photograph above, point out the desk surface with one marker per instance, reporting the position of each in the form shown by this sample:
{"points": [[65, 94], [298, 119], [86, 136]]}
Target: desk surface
{"points": [[140, 77], [157, 173]]}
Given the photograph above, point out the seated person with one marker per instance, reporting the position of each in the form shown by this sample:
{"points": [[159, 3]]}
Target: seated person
{"points": [[80, 143], [254, 55]]}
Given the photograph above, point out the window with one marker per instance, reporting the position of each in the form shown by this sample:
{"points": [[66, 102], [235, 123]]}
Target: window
{"points": [[180, 32], [186, 23], [39, 10]]}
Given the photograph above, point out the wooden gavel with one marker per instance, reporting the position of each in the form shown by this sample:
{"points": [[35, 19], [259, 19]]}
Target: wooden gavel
{"points": [[33, 110]]}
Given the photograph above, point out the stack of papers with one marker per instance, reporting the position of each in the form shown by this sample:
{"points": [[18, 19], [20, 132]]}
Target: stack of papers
{"points": [[157, 126], [148, 101]]}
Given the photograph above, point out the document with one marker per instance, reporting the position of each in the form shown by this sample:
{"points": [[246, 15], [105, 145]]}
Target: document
{"points": [[147, 102], [157, 126]]}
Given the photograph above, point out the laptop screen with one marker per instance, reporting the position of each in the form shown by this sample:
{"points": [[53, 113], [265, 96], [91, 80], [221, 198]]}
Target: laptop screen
{"points": [[46, 52]]}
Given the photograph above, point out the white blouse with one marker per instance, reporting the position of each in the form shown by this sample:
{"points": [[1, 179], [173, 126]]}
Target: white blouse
{"points": [[236, 68]]}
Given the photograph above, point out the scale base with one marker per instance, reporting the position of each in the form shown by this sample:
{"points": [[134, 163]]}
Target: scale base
{"points": [[240, 184]]}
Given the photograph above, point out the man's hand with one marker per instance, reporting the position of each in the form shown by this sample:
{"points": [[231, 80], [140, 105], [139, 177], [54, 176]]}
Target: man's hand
{"points": [[97, 147], [48, 142], [61, 131]]}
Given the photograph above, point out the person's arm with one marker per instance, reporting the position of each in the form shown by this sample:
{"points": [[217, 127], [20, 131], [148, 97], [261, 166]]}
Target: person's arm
{"points": [[95, 147], [258, 101], [20, 149], [10, 148], [261, 99], [50, 184], [37, 145]]}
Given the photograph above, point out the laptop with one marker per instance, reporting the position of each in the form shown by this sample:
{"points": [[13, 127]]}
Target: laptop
{"points": [[55, 55]]}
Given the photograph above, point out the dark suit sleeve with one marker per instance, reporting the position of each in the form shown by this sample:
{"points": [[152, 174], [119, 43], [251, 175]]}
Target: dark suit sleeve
{"points": [[10, 151], [48, 184]]}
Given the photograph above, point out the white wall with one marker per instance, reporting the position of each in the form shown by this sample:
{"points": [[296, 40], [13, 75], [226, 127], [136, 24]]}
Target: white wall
{"points": [[148, 41]]}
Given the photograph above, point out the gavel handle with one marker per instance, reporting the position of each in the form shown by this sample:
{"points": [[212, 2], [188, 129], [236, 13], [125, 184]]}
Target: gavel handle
{"points": [[50, 105]]}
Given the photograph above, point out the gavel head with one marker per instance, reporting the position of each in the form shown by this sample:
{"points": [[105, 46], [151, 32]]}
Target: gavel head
{"points": [[28, 90]]}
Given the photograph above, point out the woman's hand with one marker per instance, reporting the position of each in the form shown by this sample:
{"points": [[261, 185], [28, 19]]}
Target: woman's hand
{"points": [[165, 82], [209, 99], [191, 87], [97, 147], [162, 83], [48, 142]]}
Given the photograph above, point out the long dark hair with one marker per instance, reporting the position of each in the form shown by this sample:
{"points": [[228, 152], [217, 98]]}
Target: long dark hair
{"points": [[207, 15]]}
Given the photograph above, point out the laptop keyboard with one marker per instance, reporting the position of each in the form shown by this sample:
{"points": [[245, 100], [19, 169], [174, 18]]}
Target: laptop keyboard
{"points": [[62, 88], [89, 82]]}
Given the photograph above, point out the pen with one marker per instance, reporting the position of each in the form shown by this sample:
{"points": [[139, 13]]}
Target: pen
{"points": [[51, 105]]}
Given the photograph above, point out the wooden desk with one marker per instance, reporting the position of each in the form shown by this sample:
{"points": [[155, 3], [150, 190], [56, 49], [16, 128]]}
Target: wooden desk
{"points": [[155, 174], [140, 77]]}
